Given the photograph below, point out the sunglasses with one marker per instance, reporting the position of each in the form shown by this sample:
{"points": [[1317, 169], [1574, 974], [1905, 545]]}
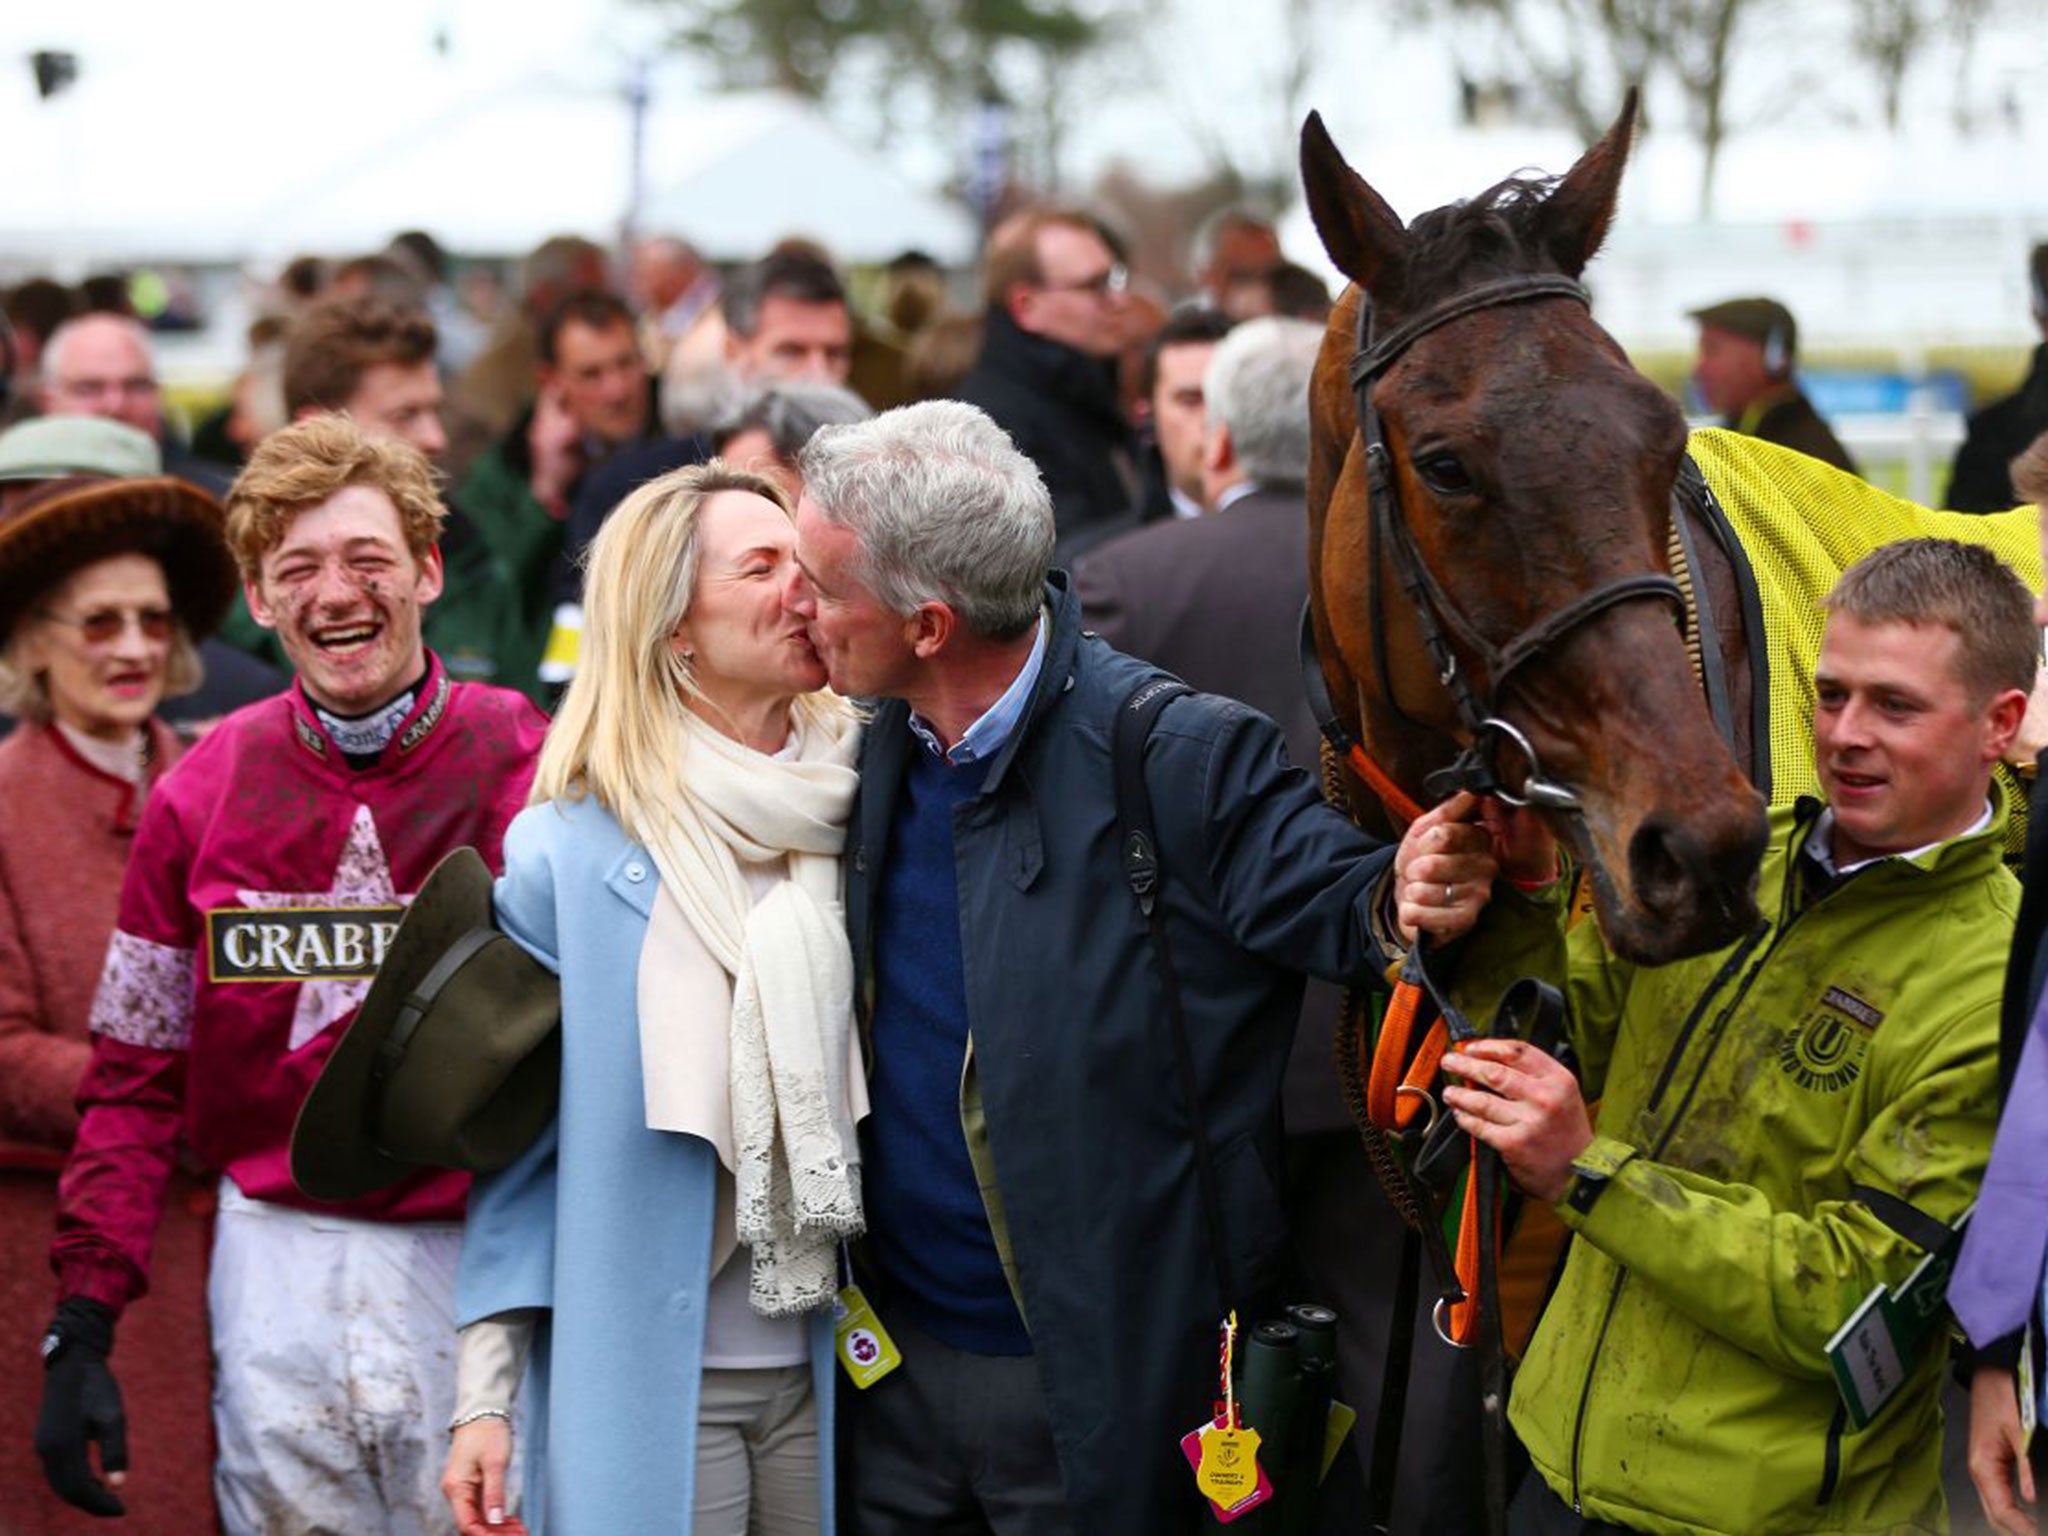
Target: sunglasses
{"points": [[103, 626]]}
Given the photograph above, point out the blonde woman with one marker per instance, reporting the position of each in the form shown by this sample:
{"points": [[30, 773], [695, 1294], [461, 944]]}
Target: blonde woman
{"points": [[660, 1266]]}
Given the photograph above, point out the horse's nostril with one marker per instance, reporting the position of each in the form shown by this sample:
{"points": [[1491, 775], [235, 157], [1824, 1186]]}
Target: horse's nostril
{"points": [[1701, 884], [1664, 862]]}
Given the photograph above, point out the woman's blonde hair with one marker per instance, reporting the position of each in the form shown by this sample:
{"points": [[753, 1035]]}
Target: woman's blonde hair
{"points": [[620, 726]]}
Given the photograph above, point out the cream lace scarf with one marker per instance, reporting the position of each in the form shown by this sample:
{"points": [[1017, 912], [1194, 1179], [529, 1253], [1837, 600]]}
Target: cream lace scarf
{"points": [[793, 1154]]}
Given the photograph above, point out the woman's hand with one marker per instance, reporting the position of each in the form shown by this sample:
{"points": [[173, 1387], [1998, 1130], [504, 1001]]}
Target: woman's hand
{"points": [[473, 1481], [1998, 1452]]}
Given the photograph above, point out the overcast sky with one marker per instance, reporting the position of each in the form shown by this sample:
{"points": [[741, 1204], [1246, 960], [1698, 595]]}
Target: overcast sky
{"points": [[250, 76]]}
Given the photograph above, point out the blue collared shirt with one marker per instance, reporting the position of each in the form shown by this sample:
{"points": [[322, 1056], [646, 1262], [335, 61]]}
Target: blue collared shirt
{"points": [[985, 738]]}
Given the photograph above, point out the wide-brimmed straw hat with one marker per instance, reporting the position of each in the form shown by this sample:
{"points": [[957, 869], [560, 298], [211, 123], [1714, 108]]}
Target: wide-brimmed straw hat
{"points": [[454, 1059], [66, 524]]}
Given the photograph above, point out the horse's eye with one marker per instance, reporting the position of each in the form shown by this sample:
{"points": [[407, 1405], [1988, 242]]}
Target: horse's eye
{"points": [[1444, 474]]}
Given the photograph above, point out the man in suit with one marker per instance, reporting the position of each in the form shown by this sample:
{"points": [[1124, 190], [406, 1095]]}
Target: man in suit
{"points": [[1173, 416], [1980, 480], [1217, 599], [1996, 1291]]}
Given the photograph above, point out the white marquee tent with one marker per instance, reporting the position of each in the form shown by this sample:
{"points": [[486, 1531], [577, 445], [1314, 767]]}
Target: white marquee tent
{"points": [[137, 163]]}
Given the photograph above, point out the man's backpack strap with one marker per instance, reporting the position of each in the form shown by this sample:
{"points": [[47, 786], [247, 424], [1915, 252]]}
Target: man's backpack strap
{"points": [[1138, 851]]}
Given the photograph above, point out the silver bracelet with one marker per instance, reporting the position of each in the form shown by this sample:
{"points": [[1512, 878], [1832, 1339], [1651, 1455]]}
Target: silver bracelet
{"points": [[479, 1413]]}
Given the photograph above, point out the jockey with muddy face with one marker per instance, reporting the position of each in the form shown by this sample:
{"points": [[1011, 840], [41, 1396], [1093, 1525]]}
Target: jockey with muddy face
{"points": [[268, 873], [1784, 1126]]}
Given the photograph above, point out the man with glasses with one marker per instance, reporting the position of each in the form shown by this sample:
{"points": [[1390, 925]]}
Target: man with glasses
{"points": [[1047, 374], [100, 365]]}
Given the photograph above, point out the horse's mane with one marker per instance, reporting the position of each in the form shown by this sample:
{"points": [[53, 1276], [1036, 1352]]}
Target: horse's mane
{"points": [[1497, 233]]}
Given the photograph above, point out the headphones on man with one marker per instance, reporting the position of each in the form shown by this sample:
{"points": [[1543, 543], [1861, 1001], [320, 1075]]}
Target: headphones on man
{"points": [[1777, 352]]}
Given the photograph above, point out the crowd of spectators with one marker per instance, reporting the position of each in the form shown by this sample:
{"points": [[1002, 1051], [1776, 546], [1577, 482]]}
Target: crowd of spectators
{"points": [[266, 671]]}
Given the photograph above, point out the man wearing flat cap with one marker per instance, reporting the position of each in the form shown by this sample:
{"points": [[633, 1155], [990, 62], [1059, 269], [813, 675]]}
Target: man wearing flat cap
{"points": [[1748, 349], [268, 874]]}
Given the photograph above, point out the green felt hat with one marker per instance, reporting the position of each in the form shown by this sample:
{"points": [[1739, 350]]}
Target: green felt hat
{"points": [[454, 1059]]}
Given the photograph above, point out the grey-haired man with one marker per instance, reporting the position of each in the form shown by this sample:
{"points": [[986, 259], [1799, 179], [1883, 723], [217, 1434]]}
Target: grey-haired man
{"points": [[1037, 1243]]}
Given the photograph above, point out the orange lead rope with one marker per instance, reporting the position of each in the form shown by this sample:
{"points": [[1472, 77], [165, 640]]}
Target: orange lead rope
{"points": [[1382, 1098], [1391, 795], [1464, 1314], [1421, 1072], [1391, 1108], [1396, 1088]]}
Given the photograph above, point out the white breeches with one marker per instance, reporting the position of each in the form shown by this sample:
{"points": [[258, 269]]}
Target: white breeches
{"points": [[334, 1371]]}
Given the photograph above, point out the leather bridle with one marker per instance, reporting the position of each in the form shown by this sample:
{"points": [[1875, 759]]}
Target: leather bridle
{"points": [[1477, 766]]}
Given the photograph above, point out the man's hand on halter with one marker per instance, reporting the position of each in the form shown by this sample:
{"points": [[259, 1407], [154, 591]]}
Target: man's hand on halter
{"points": [[1523, 1103], [1447, 862]]}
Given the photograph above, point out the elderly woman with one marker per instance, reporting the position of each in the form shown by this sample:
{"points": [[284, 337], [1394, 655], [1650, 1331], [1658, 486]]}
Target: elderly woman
{"points": [[663, 1261], [105, 584]]}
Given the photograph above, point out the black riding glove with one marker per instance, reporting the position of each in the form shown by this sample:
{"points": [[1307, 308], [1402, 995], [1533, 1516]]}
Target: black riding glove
{"points": [[81, 1404]]}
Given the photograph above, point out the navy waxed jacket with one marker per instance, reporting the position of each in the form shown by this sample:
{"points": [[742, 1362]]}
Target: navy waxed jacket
{"points": [[1071, 1104]]}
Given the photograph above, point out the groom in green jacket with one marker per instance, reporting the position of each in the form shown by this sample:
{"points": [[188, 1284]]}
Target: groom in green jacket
{"points": [[1783, 1126]]}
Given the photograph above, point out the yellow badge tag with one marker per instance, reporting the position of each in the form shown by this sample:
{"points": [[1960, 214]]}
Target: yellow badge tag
{"points": [[1582, 903], [1229, 1473], [1335, 1428], [2030, 1402], [865, 1348]]}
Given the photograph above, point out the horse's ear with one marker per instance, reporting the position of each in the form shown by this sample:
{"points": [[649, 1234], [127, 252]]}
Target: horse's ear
{"points": [[1364, 237], [1579, 212]]}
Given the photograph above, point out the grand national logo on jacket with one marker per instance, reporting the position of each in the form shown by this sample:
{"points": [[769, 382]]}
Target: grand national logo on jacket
{"points": [[298, 943], [1824, 1051]]}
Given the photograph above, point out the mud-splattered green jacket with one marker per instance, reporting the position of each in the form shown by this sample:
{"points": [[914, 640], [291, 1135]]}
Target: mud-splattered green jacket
{"points": [[1762, 1108]]}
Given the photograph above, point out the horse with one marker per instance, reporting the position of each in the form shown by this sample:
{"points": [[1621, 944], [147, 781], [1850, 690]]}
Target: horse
{"points": [[1525, 578], [1503, 463], [1525, 475]]}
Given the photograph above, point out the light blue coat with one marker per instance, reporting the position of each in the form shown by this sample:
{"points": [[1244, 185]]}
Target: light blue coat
{"points": [[604, 1223]]}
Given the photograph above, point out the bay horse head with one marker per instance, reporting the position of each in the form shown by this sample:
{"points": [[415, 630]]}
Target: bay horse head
{"points": [[1503, 464]]}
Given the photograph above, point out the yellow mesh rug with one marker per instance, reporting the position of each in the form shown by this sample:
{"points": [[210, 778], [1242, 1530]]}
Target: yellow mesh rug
{"points": [[1802, 523]]}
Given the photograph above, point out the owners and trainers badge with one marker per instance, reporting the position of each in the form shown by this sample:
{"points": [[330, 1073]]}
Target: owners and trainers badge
{"points": [[1225, 1452], [865, 1349]]}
